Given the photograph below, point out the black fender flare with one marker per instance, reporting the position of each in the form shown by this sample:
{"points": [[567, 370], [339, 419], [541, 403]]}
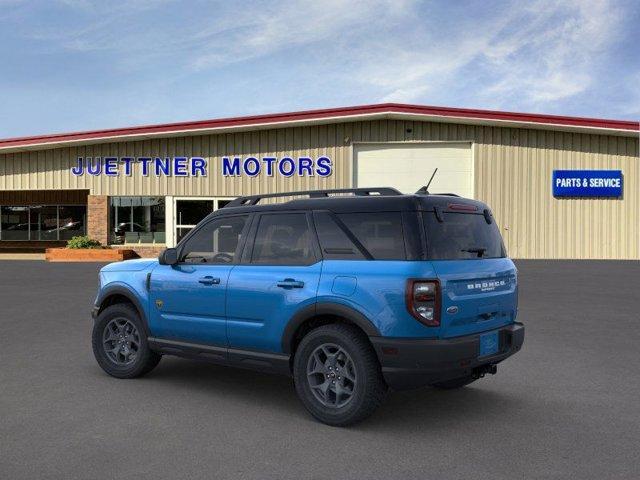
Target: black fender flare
{"points": [[112, 290], [326, 308]]}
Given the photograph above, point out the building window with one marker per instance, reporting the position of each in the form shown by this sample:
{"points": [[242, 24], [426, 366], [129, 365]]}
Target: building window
{"points": [[15, 223], [137, 220], [191, 211], [71, 221], [42, 222]]}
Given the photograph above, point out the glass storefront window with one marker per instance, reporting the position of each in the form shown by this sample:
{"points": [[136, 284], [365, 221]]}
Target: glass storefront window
{"points": [[191, 211], [137, 220], [15, 223], [71, 221], [42, 222]]}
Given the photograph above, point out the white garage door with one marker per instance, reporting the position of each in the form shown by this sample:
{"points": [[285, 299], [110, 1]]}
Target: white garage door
{"points": [[408, 166]]}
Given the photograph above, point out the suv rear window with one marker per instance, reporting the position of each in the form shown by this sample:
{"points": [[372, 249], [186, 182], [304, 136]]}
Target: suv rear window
{"points": [[380, 233], [462, 236], [334, 242]]}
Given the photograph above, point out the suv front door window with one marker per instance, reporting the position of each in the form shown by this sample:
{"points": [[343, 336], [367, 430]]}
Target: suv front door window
{"points": [[216, 242]]}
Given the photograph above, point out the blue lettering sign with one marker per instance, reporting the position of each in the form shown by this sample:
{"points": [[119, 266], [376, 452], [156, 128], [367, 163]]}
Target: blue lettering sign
{"points": [[111, 166], [587, 183], [95, 167], [162, 166], [269, 161], [180, 166], [144, 161], [230, 168], [197, 166], [251, 166], [126, 161], [284, 166], [324, 166]]}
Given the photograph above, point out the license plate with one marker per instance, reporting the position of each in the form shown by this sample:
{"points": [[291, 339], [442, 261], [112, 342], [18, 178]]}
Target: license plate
{"points": [[489, 344]]}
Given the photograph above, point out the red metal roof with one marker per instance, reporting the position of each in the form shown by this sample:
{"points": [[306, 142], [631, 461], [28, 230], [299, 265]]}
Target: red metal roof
{"points": [[391, 109]]}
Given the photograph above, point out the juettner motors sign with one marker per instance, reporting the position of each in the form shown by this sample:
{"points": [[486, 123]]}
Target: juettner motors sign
{"points": [[198, 166], [587, 183]]}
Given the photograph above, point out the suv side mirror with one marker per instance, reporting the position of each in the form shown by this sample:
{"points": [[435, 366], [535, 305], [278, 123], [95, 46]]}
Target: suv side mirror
{"points": [[168, 256]]}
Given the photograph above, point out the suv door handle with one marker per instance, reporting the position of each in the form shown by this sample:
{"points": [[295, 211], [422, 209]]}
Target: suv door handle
{"points": [[209, 280], [290, 283]]}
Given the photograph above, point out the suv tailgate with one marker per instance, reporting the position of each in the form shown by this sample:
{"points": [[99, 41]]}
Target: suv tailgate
{"points": [[477, 295]]}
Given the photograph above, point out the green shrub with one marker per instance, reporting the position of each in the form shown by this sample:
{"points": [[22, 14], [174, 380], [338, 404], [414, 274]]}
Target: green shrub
{"points": [[82, 241]]}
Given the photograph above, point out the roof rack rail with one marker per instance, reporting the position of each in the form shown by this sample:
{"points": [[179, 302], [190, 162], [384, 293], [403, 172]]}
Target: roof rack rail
{"points": [[360, 192]]}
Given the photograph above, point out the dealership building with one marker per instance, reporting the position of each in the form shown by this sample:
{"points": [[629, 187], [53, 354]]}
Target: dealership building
{"points": [[559, 187]]}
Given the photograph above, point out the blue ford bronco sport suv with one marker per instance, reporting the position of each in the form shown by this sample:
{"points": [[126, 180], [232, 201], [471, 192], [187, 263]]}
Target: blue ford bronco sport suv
{"points": [[351, 292]]}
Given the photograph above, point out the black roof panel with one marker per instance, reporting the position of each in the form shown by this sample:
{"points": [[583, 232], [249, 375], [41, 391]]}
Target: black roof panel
{"points": [[356, 203]]}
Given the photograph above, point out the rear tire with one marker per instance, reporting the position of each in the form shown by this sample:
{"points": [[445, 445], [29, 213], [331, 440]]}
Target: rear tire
{"points": [[120, 343], [337, 375], [455, 383]]}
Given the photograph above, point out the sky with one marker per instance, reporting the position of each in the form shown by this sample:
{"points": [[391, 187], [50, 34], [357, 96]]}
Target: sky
{"points": [[73, 65]]}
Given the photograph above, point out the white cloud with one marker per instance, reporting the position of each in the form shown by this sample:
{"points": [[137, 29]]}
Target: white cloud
{"points": [[512, 55], [532, 56], [553, 56], [282, 25]]}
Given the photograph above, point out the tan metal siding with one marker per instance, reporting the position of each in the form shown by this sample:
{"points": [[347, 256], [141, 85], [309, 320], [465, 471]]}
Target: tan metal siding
{"points": [[512, 173], [515, 179]]}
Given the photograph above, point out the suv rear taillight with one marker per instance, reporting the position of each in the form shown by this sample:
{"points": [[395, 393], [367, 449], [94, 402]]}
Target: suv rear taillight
{"points": [[423, 301]]}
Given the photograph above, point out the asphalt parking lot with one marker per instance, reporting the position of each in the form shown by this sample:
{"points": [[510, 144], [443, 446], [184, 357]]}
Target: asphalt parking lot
{"points": [[567, 406]]}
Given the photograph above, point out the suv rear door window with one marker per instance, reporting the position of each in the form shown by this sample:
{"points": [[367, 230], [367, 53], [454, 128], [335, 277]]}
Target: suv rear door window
{"points": [[380, 233], [283, 239], [462, 236]]}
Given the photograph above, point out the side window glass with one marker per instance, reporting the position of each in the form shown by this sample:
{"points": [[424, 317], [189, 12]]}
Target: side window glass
{"points": [[283, 239], [380, 233], [216, 242], [335, 244]]}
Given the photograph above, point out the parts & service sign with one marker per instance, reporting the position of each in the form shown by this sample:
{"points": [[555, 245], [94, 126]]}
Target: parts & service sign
{"points": [[587, 183]]}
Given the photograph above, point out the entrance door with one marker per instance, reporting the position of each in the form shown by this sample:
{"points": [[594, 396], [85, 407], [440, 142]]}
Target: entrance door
{"points": [[187, 300], [190, 211], [408, 166]]}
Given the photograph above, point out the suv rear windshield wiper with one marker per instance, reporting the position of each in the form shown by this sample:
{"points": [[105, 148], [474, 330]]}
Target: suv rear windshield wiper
{"points": [[479, 250]]}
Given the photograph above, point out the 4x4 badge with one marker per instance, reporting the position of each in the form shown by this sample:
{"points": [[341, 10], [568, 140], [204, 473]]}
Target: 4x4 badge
{"points": [[159, 303]]}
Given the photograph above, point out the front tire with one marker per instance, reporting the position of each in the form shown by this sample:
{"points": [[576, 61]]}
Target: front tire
{"points": [[337, 375], [120, 344]]}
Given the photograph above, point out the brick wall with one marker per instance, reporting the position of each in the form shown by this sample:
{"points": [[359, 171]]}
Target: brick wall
{"points": [[98, 218]]}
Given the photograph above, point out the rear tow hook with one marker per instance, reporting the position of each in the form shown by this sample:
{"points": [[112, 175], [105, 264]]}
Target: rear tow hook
{"points": [[480, 372]]}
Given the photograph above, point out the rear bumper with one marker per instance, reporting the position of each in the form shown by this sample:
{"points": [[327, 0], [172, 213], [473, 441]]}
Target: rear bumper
{"points": [[411, 363]]}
